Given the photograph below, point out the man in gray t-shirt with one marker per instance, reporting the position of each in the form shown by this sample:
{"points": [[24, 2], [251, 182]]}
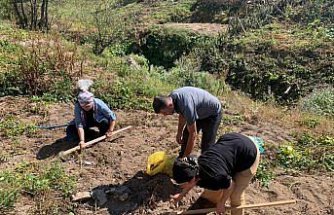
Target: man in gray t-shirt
{"points": [[198, 110]]}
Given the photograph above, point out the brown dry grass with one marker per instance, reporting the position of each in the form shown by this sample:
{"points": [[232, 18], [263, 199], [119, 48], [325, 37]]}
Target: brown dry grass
{"points": [[290, 119]]}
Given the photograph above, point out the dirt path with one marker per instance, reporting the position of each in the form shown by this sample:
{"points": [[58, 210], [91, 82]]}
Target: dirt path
{"points": [[118, 166], [200, 28]]}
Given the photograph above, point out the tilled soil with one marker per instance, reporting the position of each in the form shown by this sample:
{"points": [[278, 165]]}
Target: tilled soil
{"points": [[117, 167]]}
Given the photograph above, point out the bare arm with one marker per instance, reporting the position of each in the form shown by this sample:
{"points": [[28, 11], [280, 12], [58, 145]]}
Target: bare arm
{"points": [[112, 125], [111, 128], [192, 129], [81, 133], [180, 127], [177, 197]]}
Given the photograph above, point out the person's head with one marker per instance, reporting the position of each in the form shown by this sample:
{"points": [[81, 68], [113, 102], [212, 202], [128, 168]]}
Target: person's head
{"points": [[185, 170], [86, 100], [163, 105]]}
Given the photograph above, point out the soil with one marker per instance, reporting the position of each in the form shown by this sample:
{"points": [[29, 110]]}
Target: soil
{"points": [[118, 166]]}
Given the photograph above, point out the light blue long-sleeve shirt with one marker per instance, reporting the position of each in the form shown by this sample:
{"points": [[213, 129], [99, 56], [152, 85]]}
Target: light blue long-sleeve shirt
{"points": [[101, 112]]}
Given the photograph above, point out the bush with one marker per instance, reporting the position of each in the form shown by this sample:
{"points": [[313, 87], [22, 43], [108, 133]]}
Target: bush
{"points": [[308, 153], [134, 86], [163, 46], [186, 74], [6, 10], [319, 102], [44, 67]]}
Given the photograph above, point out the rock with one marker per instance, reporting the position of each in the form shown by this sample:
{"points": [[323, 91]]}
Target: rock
{"points": [[88, 163]]}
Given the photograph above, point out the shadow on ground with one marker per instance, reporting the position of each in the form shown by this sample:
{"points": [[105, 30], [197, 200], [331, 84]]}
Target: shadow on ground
{"points": [[61, 144], [140, 192], [54, 148]]}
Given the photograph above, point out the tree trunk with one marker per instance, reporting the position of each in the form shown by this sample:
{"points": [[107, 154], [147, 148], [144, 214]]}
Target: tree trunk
{"points": [[21, 21], [42, 24], [46, 15], [25, 19]]}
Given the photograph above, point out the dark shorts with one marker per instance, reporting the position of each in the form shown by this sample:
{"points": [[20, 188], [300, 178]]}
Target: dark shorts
{"points": [[72, 131], [209, 127]]}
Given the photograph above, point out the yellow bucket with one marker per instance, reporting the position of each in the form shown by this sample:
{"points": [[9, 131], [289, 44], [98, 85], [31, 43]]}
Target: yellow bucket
{"points": [[160, 162]]}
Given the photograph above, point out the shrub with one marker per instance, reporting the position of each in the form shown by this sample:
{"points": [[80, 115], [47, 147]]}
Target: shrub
{"points": [[6, 10], [319, 102], [163, 46], [133, 87], [307, 153], [187, 73], [45, 67]]}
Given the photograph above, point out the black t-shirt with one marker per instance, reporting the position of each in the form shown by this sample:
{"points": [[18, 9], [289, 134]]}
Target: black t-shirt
{"points": [[232, 153], [90, 118]]}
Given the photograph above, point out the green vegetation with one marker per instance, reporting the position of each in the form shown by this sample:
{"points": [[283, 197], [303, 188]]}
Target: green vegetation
{"points": [[308, 153], [43, 67], [11, 127], [264, 174], [33, 179], [320, 102], [135, 83]]}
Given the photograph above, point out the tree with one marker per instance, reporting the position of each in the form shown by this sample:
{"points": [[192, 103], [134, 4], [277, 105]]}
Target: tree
{"points": [[31, 14]]}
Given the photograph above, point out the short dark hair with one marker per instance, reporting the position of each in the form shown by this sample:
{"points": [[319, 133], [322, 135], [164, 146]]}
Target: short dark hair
{"points": [[185, 169], [159, 102]]}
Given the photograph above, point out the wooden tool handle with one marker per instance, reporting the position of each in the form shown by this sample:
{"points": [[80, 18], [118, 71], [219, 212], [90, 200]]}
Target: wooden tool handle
{"points": [[258, 205], [92, 142]]}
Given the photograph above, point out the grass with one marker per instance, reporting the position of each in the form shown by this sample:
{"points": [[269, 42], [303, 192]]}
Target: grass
{"points": [[320, 102], [294, 120], [35, 180], [11, 127]]}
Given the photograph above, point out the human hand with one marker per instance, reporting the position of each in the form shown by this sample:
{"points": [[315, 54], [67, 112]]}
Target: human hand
{"points": [[81, 144], [109, 134], [220, 209], [176, 198]]}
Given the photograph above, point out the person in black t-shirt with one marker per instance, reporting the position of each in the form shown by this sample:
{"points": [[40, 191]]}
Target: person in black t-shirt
{"points": [[224, 170]]}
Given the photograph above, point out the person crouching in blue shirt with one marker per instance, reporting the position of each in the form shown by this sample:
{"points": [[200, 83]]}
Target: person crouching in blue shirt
{"points": [[90, 112]]}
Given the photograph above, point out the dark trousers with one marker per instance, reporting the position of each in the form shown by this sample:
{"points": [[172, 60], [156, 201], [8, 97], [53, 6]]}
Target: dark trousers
{"points": [[209, 127], [72, 131]]}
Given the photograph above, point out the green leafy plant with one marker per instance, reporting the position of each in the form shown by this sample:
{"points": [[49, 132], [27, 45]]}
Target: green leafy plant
{"points": [[319, 102], [11, 126], [264, 174], [35, 179], [308, 152]]}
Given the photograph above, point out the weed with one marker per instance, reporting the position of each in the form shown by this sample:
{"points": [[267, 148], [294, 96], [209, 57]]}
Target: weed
{"points": [[309, 122], [34, 179], [45, 67], [308, 152], [11, 127], [133, 87], [319, 102], [264, 174]]}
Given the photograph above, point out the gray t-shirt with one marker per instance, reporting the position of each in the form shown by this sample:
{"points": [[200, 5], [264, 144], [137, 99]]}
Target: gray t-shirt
{"points": [[195, 103]]}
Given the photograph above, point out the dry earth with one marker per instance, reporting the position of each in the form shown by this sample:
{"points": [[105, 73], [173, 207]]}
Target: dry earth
{"points": [[118, 166]]}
